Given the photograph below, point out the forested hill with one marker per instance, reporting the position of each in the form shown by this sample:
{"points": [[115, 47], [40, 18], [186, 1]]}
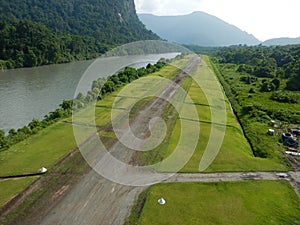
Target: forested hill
{"points": [[53, 31]]}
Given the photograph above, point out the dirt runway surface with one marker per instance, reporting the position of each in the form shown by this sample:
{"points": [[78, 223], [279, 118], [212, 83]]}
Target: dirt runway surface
{"points": [[96, 200]]}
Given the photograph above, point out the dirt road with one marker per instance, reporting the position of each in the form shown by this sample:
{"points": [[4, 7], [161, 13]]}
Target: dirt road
{"points": [[292, 177], [98, 201]]}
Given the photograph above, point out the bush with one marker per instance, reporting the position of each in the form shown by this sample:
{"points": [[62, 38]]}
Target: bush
{"points": [[285, 96]]}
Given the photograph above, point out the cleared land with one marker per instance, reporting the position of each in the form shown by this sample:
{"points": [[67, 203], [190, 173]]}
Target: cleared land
{"points": [[235, 152], [95, 200], [248, 202], [82, 198]]}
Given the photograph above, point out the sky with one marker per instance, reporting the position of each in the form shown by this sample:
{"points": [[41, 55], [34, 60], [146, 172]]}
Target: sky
{"points": [[265, 19]]}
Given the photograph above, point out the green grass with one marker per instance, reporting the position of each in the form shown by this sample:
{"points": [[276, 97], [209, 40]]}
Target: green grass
{"points": [[235, 153], [52, 143], [248, 202], [263, 109], [10, 188], [42, 149]]}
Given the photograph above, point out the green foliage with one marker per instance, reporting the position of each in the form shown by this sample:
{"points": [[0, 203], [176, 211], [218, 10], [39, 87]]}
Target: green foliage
{"points": [[293, 84], [34, 33], [248, 79], [99, 89], [226, 203], [267, 86], [28, 44], [245, 69], [286, 96], [265, 62], [272, 102]]}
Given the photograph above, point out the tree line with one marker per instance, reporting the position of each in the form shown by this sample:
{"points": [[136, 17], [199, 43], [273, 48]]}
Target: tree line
{"points": [[29, 44], [279, 62]]}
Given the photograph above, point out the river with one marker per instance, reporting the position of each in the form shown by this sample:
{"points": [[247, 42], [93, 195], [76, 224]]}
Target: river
{"points": [[30, 93]]}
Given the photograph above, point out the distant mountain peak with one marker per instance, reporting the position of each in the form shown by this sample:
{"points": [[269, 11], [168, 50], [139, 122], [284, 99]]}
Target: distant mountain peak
{"points": [[197, 28], [282, 41]]}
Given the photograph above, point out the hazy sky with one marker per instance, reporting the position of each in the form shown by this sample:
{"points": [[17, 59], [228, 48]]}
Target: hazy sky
{"points": [[264, 19]]}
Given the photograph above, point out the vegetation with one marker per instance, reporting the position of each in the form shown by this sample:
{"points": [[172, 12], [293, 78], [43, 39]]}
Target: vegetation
{"points": [[34, 33], [61, 177], [44, 148], [235, 153], [100, 89], [40, 150], [10, 188], [280, 62], [28, 44], [248, 202], [262, 85]]}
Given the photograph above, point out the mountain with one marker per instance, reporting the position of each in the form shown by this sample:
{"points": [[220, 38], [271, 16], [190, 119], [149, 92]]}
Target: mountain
{"points": [[282, 41], [66, 29], [198, 28]]}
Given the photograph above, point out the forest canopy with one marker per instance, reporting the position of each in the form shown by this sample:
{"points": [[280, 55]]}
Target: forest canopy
{"points": [[34, 33]]}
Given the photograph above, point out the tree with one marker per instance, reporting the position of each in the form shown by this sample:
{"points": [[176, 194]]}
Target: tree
{"points": [[67, 105], [267, 86], [35, 123], [108, 87], [80, 96], [276, 83]]}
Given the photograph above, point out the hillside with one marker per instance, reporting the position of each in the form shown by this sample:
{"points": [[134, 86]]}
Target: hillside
{"points": [[282, 41], [68, 29], [198, 28]]}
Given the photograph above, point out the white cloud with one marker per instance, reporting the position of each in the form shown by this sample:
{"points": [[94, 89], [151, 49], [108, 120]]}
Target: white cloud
{"points": [[168, 7], [263, 18]]}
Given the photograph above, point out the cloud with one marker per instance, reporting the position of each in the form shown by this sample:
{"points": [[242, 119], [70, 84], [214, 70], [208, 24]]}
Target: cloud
{"points": [[263, 18], [168, 7]]}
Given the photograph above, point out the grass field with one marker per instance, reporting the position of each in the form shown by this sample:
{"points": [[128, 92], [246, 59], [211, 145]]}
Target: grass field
{"points": [[42, 149], [248, 202], [235, 153], [10, 188]]}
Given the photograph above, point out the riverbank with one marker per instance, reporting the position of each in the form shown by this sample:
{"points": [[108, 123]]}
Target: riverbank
{"points": [[31, 93]]}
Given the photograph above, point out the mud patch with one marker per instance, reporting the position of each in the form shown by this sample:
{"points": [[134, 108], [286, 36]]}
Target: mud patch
{"points": [[60, 192]]}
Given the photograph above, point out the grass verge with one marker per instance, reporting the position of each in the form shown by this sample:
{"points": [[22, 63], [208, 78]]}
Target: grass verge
{"points": [[247, 202], [235, 153], [10, 188]]}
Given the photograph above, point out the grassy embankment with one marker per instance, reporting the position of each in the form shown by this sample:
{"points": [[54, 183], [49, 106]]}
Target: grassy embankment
{"points": [[249, 202]]}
